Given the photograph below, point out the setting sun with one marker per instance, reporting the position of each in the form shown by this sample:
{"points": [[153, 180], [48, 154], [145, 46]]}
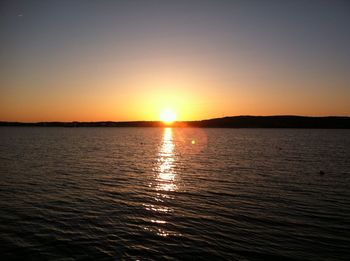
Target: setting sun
{"points": [[168, 116]]}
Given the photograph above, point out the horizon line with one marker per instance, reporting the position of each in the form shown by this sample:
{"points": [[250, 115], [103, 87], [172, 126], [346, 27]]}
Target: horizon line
{"points": [[176, 121]]}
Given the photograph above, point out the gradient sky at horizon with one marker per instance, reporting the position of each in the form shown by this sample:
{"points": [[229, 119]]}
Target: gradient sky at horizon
{"points": [[128, 60]]}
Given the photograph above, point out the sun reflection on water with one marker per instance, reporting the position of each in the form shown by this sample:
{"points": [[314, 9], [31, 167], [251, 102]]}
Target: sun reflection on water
{"points": [[166, 174], [163, 184]]}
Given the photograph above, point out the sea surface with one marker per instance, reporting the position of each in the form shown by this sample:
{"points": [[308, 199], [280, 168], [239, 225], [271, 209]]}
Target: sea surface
{"points": [[174, 194]]}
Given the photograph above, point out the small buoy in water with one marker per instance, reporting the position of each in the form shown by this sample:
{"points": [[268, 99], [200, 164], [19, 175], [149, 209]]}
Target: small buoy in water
{"points": [[321, 172]]}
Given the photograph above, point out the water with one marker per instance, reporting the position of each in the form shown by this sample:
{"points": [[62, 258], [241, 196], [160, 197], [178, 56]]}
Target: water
{"points": [[169, 194]]}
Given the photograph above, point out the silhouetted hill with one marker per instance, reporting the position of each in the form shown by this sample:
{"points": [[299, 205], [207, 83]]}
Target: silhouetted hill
{"points": [[332, 122], [277, 122]]}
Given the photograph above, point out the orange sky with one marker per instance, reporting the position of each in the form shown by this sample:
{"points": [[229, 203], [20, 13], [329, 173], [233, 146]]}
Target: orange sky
{"points": [[124, 62]]}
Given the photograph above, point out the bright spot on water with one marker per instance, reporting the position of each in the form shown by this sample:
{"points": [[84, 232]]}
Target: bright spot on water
{"points": [[166, 174]]}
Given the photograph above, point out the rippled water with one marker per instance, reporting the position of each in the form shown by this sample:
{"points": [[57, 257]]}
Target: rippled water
{"points": [[153, 193]]}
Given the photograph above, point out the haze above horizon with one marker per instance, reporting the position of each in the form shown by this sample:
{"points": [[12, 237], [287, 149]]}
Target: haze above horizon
{"points": [[135, 60]]}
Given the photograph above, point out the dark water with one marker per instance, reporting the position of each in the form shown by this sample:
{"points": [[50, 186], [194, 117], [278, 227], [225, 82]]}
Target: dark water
{"points": [[169, 194]]}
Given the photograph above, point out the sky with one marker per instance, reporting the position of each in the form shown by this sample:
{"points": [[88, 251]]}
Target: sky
{"points": [[131, 60]]}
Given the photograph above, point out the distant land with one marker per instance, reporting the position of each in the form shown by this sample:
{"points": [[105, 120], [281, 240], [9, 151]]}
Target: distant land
{"points": [[330, 122]]}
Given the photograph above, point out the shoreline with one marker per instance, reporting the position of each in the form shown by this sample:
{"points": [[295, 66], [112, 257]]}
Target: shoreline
{"points": [[293, 122]]}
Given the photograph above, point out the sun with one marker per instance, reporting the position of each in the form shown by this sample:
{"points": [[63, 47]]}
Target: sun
{"points": [[168, 116]]}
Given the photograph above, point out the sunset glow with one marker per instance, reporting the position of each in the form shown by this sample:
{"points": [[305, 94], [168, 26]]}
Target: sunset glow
{"points": [[168, 116], [174, 130], [113, 62]]}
